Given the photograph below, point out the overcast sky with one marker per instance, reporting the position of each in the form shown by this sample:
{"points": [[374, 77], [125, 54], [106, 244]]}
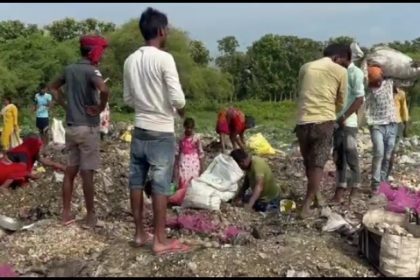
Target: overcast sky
{"points": [[369, 23]]}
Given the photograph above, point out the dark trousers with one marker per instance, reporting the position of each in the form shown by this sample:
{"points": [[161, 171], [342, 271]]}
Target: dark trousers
{"points": [[345, 154]]}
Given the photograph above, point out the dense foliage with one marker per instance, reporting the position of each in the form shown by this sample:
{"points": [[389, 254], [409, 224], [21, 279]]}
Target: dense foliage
{"points": [[267, 70]]}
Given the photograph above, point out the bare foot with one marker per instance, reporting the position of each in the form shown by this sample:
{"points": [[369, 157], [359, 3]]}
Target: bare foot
{"points": [[354, 195], [305, 213], [68, 219], [90, 221], [142, 239], [319, 200], [338, 196], [170, 247]]}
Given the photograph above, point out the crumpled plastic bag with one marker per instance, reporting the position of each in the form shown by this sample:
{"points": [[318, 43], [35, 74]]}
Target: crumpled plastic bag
{"points": [[41, 169], [15, 140], [403, 200], [126, 136], [259, 144], [287, 205], [335, 221], [58, 132], [386, 189]]}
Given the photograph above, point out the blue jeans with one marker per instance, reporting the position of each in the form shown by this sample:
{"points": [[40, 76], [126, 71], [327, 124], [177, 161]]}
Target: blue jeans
{"points": [[262, 206], [154, 151], [383, 139]]}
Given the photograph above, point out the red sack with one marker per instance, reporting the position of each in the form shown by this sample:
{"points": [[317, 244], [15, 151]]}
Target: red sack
{"points": [[178, 197]]}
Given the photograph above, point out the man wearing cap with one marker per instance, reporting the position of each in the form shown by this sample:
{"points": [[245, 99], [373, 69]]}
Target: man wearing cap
{"points": [[382, 120], [81, 82], [345, 136]]}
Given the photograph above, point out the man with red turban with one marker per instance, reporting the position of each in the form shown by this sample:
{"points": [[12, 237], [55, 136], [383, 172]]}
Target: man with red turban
{"points": [[82, 81], [97, 46]]}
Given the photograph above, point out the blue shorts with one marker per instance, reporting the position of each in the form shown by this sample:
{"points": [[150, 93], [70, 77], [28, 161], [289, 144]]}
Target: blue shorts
{"points": [[154, 151], [42, 124]]}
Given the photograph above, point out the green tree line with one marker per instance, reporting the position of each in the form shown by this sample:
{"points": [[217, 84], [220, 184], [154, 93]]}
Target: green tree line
{"points": [[266, 71]]}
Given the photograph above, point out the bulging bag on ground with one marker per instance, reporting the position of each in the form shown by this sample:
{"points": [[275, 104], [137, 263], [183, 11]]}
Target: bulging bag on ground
{"points": [[58, 132], [259, 144], [399, 256], [395, 64], [218, 183], [222, 173]]}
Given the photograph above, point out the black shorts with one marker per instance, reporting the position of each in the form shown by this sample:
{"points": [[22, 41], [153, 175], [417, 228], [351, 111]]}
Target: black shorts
{"points": [[42, 124], [18, 157]]}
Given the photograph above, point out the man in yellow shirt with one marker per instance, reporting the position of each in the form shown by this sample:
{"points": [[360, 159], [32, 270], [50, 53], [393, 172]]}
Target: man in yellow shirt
{"points": [[322, 92], [401, 111]]}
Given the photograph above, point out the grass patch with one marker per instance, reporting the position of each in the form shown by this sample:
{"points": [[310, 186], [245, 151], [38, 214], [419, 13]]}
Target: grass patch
{"points": [[274, 120]]}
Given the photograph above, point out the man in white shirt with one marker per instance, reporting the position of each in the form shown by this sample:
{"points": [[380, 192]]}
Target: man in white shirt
{"points": [[153, 89]]}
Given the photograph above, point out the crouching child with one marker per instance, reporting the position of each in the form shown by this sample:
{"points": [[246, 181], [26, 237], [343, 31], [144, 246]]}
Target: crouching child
{"points": [[259, 179]]}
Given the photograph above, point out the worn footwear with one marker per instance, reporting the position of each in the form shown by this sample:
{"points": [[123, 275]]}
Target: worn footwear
{"points": [[175, 247]]}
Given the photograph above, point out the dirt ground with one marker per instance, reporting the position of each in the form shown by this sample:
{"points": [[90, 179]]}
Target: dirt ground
{"points": [[271, 245]]}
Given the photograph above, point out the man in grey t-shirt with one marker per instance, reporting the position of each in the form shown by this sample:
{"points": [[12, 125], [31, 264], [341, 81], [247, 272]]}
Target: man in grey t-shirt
{"points": [[81, 82]]}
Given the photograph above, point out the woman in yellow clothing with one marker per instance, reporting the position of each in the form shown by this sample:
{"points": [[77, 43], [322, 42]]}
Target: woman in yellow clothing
{"points": [[10, 123]]}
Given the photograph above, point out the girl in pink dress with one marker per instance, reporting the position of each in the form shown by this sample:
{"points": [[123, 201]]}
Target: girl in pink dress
{"points": [[189, 161], [190, 153]]}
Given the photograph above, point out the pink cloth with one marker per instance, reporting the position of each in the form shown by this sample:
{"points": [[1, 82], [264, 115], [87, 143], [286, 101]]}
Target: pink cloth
{"points": [[7, 271], [201, 223], [197, 223], [399, 199], [105, 120]]}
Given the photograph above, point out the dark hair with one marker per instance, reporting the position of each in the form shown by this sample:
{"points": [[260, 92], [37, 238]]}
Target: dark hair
{"points": [[42, 85], [340, 50], [189, 122], [239, 155], [85, 50], [249, 121], [150, 22], [8, 98]]}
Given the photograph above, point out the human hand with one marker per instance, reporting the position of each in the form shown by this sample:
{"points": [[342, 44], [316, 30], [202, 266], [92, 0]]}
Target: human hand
{"points": [[94, 110], [181, 113], [60, 167], [341, 120]]}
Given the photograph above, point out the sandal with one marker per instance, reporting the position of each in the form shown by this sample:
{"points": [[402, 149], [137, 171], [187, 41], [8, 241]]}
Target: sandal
{"points": [[69, 222], [175, 247]]}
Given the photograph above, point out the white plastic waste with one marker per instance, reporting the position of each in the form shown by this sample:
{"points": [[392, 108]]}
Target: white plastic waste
{"points": [[356, 51], [58, 132], [218, 183], [59, 177], [335, 221]]}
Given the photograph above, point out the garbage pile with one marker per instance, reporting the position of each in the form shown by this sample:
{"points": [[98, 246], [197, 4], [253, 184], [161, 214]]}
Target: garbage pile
{"points": [[229, 242]]}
